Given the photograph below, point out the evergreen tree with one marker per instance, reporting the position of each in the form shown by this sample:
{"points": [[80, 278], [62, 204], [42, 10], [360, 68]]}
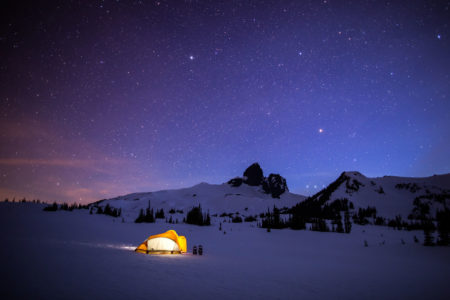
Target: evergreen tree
{"points": [[208, 219], [443, 227], [236, 219], [428, 238], [160, 214], [347, 223], [320, 224], [53, 207], [141, 216], [428, 233], [276, 217], [107, 210], [297, 222], [339, 225], [195, 216], [149, 216]]}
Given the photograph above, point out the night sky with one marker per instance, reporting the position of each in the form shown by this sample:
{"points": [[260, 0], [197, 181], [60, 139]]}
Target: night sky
{"points": [[103, 98]]}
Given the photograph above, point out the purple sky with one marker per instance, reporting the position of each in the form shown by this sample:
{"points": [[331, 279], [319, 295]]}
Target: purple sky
{"points": [[103, 98]]}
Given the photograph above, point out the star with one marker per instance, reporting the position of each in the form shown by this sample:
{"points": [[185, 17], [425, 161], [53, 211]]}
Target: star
{"points": [[438, 36], [191, 57], [320, 130]]}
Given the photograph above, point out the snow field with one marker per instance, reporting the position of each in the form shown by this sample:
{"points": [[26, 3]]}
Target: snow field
{"points": [[74, 255]]}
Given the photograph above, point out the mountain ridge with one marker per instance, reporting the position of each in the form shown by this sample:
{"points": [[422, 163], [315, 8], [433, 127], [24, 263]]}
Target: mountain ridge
{"points": [[390, 195]]}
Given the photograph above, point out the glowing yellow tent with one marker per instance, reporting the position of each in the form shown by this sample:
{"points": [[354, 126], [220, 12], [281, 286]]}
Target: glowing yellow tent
{"points": [[165, 243]]}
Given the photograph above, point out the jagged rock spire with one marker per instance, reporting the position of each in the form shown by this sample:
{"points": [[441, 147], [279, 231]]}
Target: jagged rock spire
{"points": [[253, 175]]}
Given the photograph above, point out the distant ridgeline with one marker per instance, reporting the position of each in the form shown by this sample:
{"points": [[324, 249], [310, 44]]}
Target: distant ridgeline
{"points": [[397, 202], [274, 185]]}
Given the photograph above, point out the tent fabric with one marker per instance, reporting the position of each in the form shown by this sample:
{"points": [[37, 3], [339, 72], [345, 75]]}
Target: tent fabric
{"points": [[167, 242], [162, 243]]}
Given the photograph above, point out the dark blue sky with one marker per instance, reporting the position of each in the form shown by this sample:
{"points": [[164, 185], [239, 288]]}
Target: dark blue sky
{"points": [[101, 98]]}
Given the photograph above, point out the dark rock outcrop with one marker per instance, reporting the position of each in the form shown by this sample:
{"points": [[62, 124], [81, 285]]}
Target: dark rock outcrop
{"points": [[253, 175], [275, 185], [237, 181]]}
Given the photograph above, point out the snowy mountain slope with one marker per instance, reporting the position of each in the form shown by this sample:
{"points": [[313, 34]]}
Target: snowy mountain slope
{"points": [[389, 194], [249, 195], [253, 194], [217, 198]]}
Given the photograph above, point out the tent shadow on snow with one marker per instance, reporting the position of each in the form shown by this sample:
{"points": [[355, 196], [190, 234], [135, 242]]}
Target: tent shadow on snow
{"points": [[168, 242]]}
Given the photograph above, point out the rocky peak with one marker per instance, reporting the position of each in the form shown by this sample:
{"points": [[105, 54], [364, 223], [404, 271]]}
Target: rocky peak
{"points": [[253, 175], [275, 184]]}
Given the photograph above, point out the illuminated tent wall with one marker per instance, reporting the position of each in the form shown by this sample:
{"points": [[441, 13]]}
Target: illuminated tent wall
{"points": [[168, 242]]}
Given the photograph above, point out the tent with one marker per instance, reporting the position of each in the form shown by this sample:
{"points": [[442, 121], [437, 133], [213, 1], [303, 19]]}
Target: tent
{"points": [[168, 242]]}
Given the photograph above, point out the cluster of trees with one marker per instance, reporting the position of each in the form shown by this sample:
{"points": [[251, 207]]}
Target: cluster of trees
{"points": [[172, 211], [170, 220], [336, 225], [160, 214], [315, 210], [250, 218], [23, 200], [64, 206], [236, 219], [360, 217], [196, 217], [146, 216], [332, 210], [312, 208], [108, 210], [149, 216], [319, 225], [443, 228], [274, 220], [52, 207], [412, 187]]}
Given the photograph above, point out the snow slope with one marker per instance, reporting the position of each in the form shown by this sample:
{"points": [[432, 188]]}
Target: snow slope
{"points": [[215, 198], [74, 255], [389, 194]]}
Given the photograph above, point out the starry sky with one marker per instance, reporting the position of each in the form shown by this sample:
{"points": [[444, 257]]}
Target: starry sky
{"points": [[103, 98]]}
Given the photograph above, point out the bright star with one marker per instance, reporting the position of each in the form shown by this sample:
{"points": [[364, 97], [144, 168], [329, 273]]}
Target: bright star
{"points": [[439, 36], [320, 130], [191, 57]]}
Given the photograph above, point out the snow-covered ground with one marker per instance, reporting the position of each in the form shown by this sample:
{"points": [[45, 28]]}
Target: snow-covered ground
{"points": [[74, 255]]}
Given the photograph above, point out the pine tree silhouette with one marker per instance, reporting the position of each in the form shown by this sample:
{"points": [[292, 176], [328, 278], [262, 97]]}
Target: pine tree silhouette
{"points": [[141, 216], [339, 225], [428, 233], [443, 227], [347, 222]]}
